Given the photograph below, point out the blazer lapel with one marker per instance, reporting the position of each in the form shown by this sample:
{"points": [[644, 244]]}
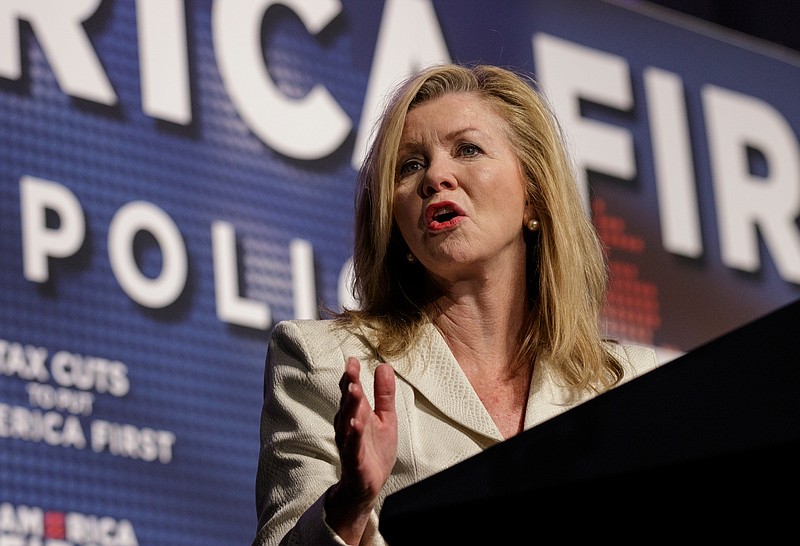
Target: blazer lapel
{"points": [[432, 370], [547, 398]]}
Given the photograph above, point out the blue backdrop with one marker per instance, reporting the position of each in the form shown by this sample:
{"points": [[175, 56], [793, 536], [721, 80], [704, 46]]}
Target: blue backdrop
{"points": [[155, 228]]}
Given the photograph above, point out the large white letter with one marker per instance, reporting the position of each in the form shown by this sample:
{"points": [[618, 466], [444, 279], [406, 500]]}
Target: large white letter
{"points": [[568, 73], [230, 307], [672, 156], [163, 59], [38, 241], [303, 280], [409, 39], [307, 128], [744, 201], [59, 30], [127, 222]]}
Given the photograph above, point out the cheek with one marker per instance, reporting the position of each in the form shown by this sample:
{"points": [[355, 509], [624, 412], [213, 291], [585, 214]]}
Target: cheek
{"points": [[405, 208]]}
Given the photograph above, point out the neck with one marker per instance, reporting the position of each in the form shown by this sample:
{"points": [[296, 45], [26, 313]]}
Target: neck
{"points": [[482, 327]]}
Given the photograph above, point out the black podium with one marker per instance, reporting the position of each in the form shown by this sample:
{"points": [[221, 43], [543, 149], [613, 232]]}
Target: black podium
{"points": [[705, 446]]}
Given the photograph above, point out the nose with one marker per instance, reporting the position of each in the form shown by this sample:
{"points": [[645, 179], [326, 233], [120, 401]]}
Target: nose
{"points": [[439, 176]]}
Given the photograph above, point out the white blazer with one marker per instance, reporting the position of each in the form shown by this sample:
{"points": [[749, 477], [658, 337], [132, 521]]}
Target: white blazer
{"points": [[440, 420]]}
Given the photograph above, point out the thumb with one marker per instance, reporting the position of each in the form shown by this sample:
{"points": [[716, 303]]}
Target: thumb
{"points": [[384, 390]]}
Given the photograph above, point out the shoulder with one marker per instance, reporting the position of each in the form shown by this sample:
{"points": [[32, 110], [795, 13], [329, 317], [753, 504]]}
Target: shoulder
{"points": [[317, 342], [320, 332], [636, 359]]}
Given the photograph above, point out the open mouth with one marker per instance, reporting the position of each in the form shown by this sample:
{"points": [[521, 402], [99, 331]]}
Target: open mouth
{"points": [[444, 215]]}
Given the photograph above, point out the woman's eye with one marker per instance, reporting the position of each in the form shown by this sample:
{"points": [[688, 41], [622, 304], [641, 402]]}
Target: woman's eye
{"points": [[469, 150], [410, 166]]}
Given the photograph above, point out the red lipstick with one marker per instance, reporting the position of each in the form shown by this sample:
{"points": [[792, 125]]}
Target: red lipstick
{"points": [[443, 215]]}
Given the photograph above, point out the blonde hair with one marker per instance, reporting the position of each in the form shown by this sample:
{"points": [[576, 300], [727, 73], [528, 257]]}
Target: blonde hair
{"points": [[566, 268]]}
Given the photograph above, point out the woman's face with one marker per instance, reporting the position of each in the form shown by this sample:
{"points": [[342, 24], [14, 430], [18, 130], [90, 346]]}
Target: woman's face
{"points": [[459, 196]]}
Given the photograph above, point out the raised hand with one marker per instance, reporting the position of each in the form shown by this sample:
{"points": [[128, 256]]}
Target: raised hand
{"points": [[367, 443]]}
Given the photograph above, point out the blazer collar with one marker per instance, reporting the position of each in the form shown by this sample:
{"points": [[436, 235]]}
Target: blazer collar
{"points": [[431, 369]]}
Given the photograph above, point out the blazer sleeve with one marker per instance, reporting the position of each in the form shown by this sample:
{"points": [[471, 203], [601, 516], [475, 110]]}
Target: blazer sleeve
{"points": [[298, 459]]}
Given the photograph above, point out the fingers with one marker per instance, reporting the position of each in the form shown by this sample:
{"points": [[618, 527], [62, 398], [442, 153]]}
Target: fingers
{"points": [[366, 439], [354, 408], [346, 421], [352, 370], [350, 387]]}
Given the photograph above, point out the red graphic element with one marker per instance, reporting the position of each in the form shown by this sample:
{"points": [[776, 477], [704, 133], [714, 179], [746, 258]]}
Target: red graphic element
{"points": [[54, 526], [631, 312]]}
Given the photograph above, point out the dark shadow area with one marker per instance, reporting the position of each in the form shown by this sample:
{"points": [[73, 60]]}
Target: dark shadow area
{"points": [[772, 20]]}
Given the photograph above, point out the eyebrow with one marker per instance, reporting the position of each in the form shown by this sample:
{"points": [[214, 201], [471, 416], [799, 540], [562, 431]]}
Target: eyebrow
{"points": [[452, 135]]}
